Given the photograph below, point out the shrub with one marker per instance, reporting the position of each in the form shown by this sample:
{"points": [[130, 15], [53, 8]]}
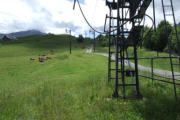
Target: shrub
{"points": [[80, 39], [161, 40]]}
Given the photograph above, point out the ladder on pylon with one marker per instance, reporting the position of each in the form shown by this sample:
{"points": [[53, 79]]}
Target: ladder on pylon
{"points": [[170, 13], [118, 56]]}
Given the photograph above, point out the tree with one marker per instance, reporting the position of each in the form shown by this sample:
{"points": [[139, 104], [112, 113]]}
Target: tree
{"points": [[148, 38], [175, 45], [103, 40], [161, 37], [80, 39]]}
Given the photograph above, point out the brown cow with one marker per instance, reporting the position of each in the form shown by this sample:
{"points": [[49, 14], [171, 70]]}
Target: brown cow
{"points": [[32, 59], [41, 59], [48, 58]]}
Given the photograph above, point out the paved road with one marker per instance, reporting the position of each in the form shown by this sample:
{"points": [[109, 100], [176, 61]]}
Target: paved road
{"points": [[90, 48], [163, 73]]}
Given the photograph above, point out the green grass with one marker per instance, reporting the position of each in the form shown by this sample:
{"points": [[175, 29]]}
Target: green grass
{"points": [[70, 87], [158, 63]]}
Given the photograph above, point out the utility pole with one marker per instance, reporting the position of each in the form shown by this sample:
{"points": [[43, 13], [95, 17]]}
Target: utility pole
{"points": [[70, 46], [94, 41], [70, 41]]}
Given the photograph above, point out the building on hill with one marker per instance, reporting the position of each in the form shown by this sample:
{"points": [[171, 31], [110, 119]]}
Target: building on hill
{"points": [[50, 33], [8, 38]]}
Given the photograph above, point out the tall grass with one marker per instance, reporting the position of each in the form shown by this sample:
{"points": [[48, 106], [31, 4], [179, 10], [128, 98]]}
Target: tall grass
{"points": [[70, 87]]}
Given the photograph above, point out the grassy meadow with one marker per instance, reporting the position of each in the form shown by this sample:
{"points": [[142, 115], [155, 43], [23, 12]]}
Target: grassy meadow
{"points": [[70, 87]]}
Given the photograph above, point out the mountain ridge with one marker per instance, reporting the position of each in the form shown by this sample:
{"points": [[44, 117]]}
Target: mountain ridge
{"points": [[24, 33]]}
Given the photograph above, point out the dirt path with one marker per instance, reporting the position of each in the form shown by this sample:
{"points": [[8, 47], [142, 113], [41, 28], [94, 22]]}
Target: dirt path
{"points": [[159, 72], [90, 48], [164, 73]]}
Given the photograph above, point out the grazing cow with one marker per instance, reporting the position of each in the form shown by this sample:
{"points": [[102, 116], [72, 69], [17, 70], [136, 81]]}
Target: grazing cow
{"points": [[32, 59], [41, 59], [48, 58]]}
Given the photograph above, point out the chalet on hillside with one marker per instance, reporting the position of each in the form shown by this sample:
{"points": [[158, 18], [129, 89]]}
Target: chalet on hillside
{"points": [[9, 38]]}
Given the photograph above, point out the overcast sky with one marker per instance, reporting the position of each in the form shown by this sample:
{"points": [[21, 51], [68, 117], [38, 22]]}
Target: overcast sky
{"points": [[56, 15]]}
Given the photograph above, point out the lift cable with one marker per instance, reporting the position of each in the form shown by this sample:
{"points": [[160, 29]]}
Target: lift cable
{"points": [[88, 21], [150, 30], [93, 27]]}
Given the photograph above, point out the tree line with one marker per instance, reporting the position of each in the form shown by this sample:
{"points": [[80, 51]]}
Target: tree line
{"points": [[159, 39], [153, 39]]}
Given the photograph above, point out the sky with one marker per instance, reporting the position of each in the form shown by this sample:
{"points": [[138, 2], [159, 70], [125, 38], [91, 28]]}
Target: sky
{"points": [[55, 16]]}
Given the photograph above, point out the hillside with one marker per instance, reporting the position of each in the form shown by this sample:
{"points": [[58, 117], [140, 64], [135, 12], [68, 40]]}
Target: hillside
{"points": [[24, 33], [70, 87]]}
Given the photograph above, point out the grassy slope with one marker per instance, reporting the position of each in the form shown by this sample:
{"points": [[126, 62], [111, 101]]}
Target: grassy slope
{"points": [[69, 87]]}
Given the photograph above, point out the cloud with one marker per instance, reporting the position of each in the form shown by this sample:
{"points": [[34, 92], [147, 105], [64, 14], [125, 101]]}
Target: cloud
{"points": [[67, 25], [159, 10], [57, 15], [50, 15]]}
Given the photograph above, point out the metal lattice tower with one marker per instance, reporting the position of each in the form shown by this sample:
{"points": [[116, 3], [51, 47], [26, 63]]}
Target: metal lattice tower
{"points": [[121, 37], [125, 30]]}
